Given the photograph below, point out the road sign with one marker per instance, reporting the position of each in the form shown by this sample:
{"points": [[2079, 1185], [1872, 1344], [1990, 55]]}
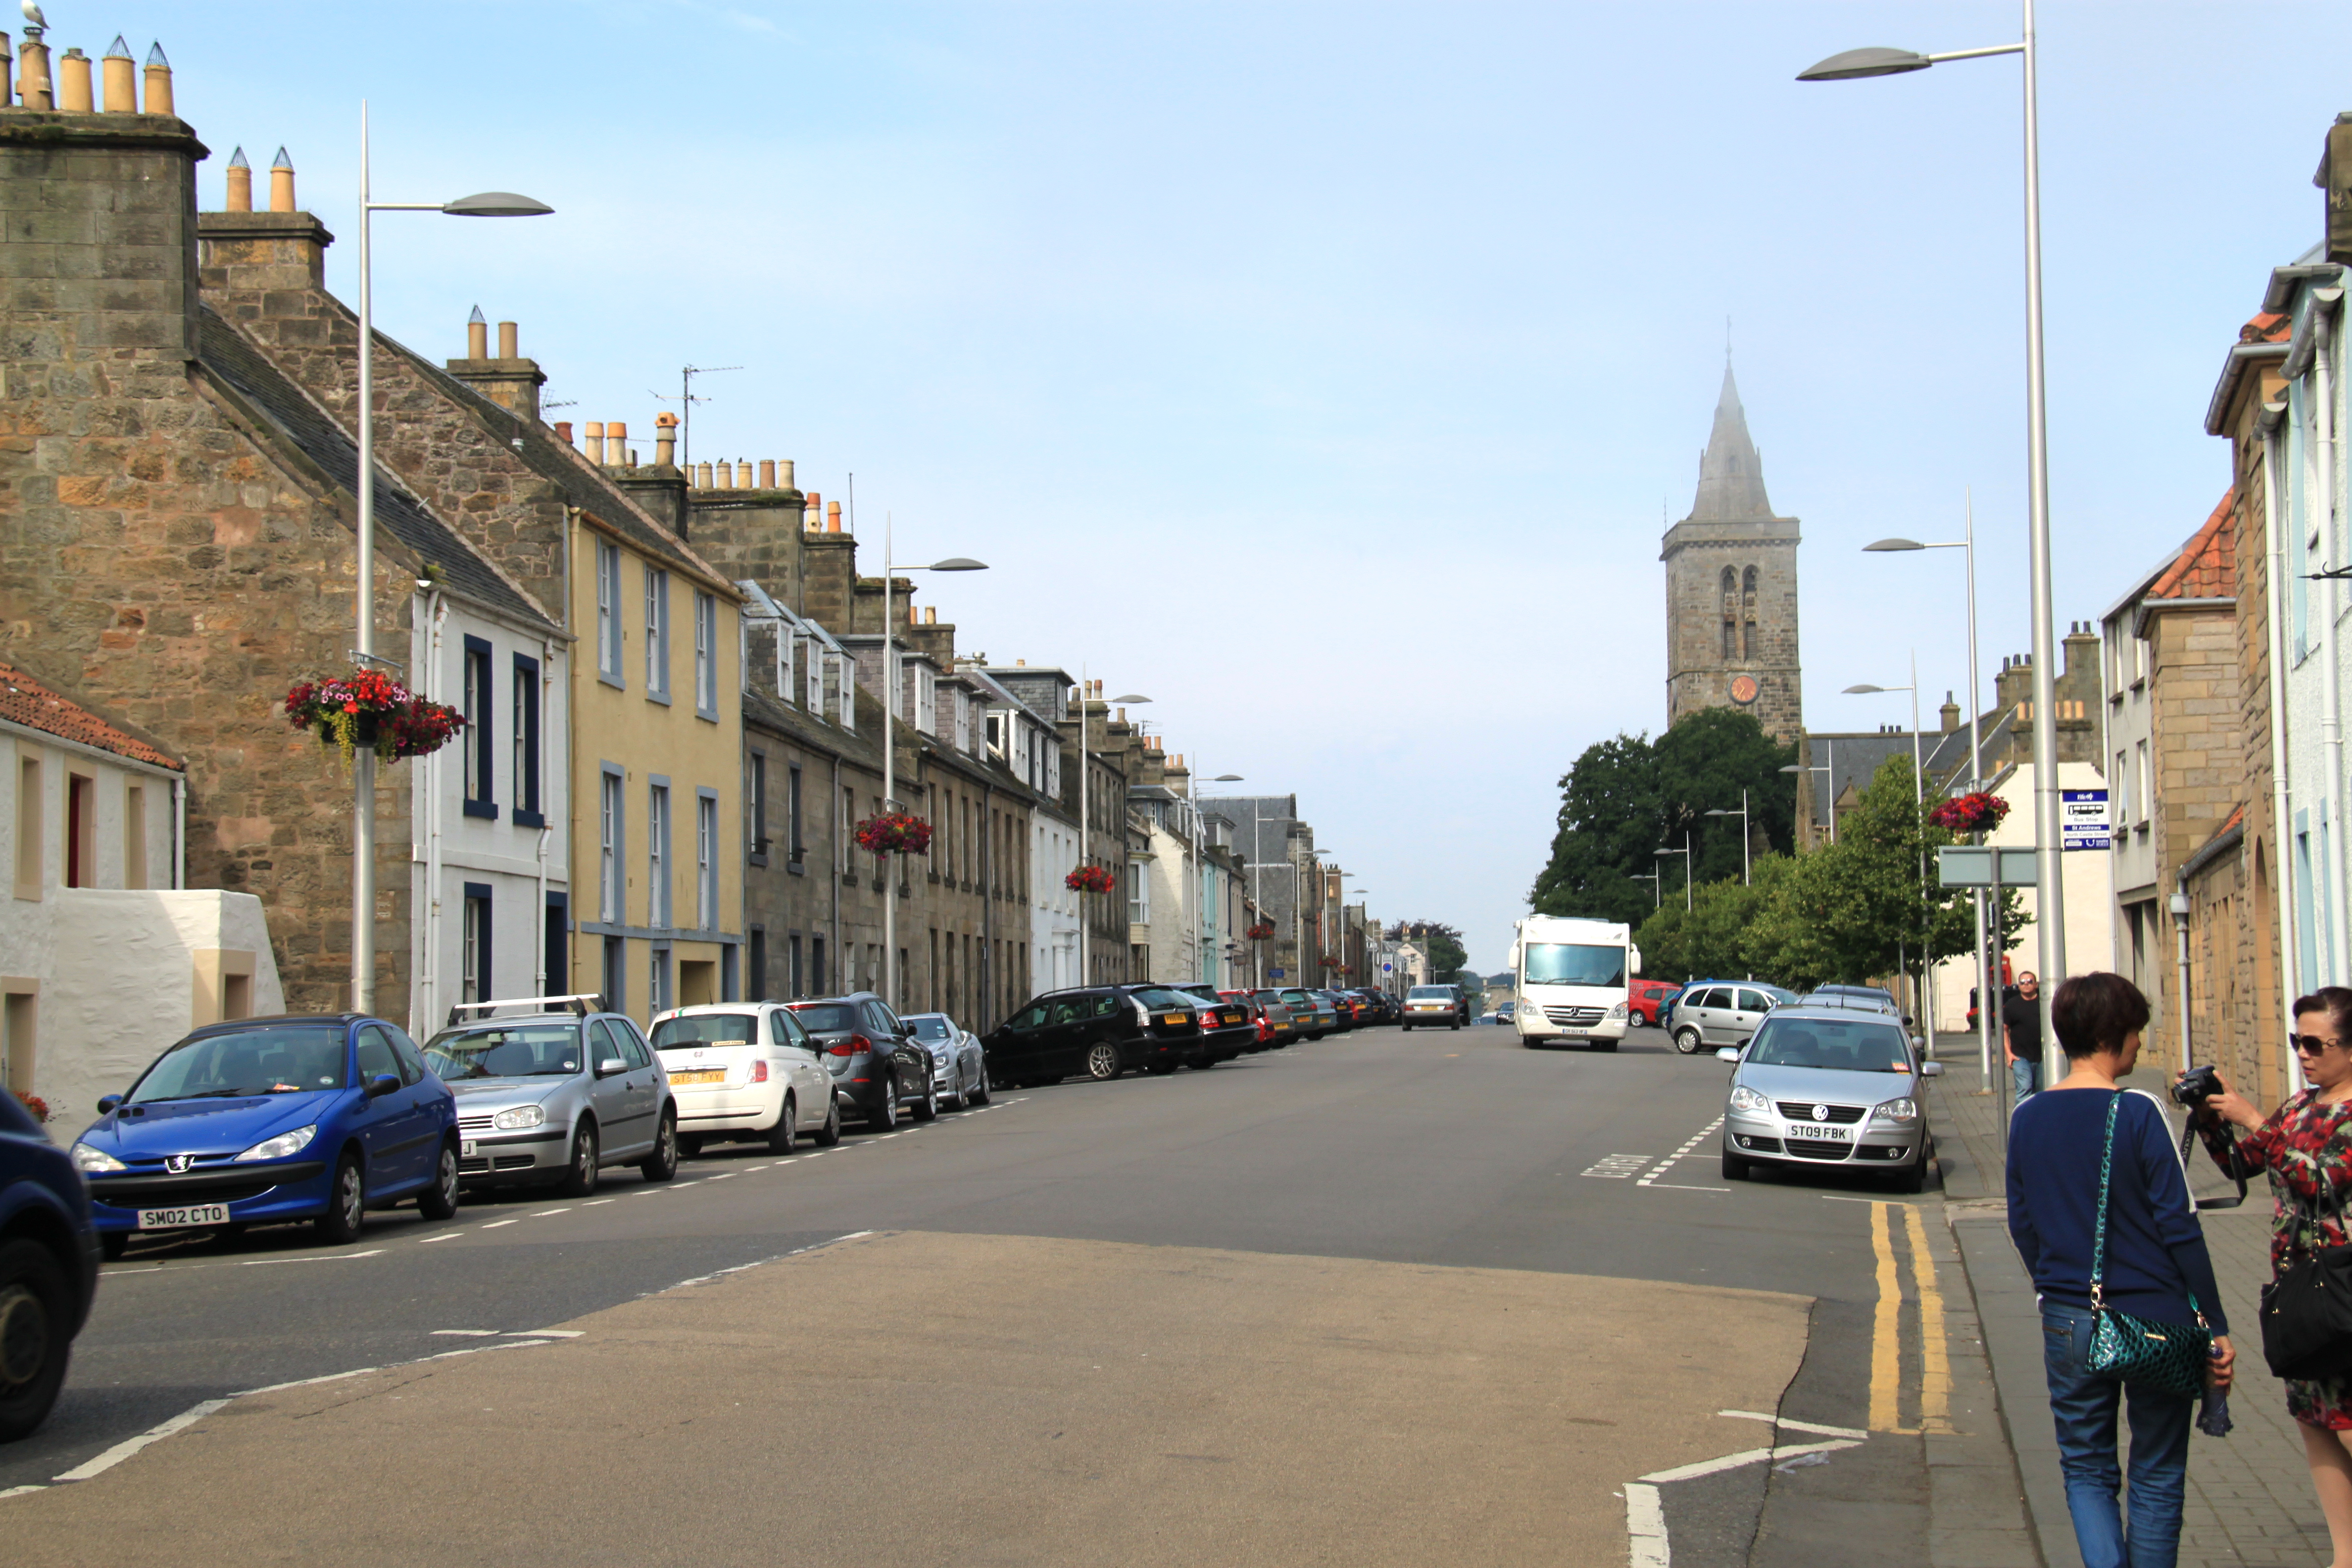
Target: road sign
{"points": [[2083, 819], [1971, 866], [1274, 975], [1387, 968]]}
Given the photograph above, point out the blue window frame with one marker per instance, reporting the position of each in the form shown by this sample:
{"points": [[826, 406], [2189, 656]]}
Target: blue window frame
{"points": [[481, 793], [474, 962], [528, 812]]}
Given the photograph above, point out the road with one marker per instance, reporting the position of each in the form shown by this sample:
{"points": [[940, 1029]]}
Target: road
{"points": [[1407, 1293]]}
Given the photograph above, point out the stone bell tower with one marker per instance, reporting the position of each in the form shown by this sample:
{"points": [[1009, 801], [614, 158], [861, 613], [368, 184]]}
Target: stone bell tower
{"points": [[1731, 589]]}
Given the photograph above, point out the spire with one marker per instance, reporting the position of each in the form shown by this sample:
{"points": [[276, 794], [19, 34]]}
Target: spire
{"points": [[1731, 474]]}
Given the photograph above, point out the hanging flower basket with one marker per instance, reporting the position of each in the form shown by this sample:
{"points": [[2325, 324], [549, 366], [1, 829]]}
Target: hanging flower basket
{"points": [[1329, 961], [1260, 932], [368, 708], [894, 833], [34, 1103], [1979, 812], [1090, 879]]}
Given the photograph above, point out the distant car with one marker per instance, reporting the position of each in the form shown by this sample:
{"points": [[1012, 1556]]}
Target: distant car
{"points": [[1827, 1086], [1102, 1031], [1227, 1027], [1649, 1002], [1722, 1014], [959, 1062], [1278, 1023], [1344, 1007], [263, 1121], [1315, 1015], [1383, 1006], [48, 1267], [555, 1093], [745, 1070], [878, 1067], [1434, 1006], [1506, 1011]]}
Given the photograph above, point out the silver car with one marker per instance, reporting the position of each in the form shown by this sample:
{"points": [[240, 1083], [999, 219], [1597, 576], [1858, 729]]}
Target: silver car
{"points": [[552, 1096], [1827, 1086], [1723, 1012], [958, 1066]]}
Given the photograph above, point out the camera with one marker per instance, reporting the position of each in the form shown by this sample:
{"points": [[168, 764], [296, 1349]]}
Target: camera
{"points": [[2197, 1086]]}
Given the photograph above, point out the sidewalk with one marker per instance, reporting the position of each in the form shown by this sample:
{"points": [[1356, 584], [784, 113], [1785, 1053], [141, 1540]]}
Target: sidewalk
{"points": [[2249, 1499]]}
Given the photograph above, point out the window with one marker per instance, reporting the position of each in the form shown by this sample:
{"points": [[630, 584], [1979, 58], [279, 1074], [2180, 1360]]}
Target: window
{"points": [[375, 1058], [1139, 894], [817, 967], [2123, 792], [2142, 780], [657, 635], [81, 831], [848, 827], [657, 994], [788, 657], [19, 1018], [476, 739], [557, 954], [1730, 637], [848, 690], [657, 901], [793, 967], [608, 612], [609, 903], [814, 673], [474, 962], [757, 964], [758, 810], [134, 836], [616, 974], [706, 861], [792, 814], [706, 656], [527, 811]]}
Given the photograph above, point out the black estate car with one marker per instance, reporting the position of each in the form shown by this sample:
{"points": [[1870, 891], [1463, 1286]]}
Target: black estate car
{"points": [[1100, 1030]]}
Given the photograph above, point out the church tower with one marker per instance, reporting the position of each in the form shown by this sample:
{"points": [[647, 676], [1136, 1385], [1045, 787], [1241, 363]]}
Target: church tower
{"points": [[1731, 589]]}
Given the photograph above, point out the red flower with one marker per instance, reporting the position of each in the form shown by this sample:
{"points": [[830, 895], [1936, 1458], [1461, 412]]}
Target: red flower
{"points": [[1091, 880], [33, 1104], [1978, 812], [894, 833]]}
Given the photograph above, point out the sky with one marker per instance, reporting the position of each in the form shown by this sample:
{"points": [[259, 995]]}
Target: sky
{"points": [[1325, 372]]}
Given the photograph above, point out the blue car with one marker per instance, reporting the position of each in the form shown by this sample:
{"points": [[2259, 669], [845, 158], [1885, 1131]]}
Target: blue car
{"points": [[264, 1120], [49, 1268]]}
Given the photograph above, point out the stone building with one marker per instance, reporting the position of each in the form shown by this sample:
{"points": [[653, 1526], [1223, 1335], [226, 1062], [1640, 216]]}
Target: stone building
{"points": [[1731, 588], [1282, 878]]}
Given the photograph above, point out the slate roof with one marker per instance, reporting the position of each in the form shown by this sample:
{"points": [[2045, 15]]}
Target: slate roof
{"points": [[245, 371], [24, 701]]}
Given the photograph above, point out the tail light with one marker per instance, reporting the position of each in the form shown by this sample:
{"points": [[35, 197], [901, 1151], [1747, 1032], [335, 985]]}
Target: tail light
{"points": [[760, 1072], [851, 1046]]}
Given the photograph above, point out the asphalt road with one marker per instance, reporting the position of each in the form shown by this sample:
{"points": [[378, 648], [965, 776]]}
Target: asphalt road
{"points": [[1440, 1152]]}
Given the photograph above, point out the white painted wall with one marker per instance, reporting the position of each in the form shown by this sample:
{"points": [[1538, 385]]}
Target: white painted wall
{"points": [[2090, 892]]}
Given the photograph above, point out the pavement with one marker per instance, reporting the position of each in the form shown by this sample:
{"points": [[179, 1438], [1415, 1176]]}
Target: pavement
{"points": [[1374, 1298], [2249, 1499]]}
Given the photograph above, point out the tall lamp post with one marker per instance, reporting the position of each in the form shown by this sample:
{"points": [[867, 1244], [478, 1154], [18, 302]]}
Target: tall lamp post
{"points": [[1919, 795], [1657, 896], [1830, 768], [485, 203], [889, 750], [1986, 991], [1086, 723], [1745, 878], [2050, 926], [1193, 797], [1685, 854]]}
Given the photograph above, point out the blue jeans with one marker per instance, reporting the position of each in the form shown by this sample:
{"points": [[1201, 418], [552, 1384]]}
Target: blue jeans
{"points": [[2083, 1408], [2025, 1078]]}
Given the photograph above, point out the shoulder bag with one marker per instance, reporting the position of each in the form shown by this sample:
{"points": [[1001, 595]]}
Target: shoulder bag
{"points": [[2306, 1311], [2169, 1357]]}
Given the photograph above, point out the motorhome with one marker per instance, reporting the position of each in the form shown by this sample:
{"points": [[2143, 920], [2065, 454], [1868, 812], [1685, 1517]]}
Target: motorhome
{"points": [[1570, 978]]}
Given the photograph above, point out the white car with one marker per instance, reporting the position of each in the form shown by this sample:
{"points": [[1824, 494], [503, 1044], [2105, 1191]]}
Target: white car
{"points": [[745, 1070]]}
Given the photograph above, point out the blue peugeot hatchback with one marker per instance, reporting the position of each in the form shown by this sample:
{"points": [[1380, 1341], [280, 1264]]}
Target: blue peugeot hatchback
{"points": [[264, 1120], [49, 1268]]}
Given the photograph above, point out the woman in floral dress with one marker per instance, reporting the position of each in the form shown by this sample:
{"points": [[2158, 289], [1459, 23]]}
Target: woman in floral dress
{"points": [[2306, 1147]]}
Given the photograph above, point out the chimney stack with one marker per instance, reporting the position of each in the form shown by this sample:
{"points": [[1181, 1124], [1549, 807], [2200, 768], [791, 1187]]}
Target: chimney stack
{"points": [[281, 184], [477, 335], [665, 438], [73, 83], [1950, 714], [2334, 178], [120, 83], [240, 183]]}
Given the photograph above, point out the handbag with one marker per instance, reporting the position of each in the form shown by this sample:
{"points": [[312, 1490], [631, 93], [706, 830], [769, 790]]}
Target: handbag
{"points": [[2306, 1311], [2172, 1358]]}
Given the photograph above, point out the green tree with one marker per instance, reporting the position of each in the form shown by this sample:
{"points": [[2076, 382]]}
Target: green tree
{"points": [[1442, 941], [1703, 764]]}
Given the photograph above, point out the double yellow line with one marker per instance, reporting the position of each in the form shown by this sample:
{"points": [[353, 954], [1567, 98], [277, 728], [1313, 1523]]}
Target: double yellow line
{"points": [[1886, 1323]]}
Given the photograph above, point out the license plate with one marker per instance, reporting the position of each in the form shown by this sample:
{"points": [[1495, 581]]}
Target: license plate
{"points": [[465, 1149], [184, 1217], [1171, 1018], [1821, 1134], [678, 1078]]}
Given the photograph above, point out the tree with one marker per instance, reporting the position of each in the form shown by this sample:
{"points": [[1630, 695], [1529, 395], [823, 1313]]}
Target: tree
{"points": [[1441, 942], [1703, 764]]}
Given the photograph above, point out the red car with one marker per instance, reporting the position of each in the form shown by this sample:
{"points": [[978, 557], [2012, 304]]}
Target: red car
{"points": [[1645, 1000]]}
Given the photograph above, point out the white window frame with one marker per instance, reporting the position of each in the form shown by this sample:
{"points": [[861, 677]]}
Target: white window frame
{"points": [[657, 891], [705, 869], [608, 889], [706, 654], [608, 611], [656, 632]]}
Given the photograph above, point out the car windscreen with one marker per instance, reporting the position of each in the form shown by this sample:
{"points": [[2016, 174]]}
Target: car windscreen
{"points": [[707, 1030], [1160, 996], [297, 1060], [1431, 994], [1833, 1044], [1573, 963], [931, 1027], [822, 1018], [505, 1050]]}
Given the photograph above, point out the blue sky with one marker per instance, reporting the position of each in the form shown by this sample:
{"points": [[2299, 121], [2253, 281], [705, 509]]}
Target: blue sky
{"points": [[1322, 370]]}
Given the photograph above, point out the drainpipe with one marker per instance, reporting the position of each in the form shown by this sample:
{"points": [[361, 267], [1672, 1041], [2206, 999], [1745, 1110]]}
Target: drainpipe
{"points": [[834, 875], [988, 904], [2181, 931], [2283, 868], [179, 832], [2331, 726], [546, 815], [429, 1010]]}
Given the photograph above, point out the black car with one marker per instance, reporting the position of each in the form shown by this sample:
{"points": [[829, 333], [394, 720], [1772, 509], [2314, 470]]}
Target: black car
{"points": [[1227, 1027], [878, 1065], [1101, 1031], [48, 1267]]}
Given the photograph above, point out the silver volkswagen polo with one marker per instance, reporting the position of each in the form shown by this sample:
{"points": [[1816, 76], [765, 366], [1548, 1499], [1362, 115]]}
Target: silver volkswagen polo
{"points": [[1822, 1086], [553, 1094]]}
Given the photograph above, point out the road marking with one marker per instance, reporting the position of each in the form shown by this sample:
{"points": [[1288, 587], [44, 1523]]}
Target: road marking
{"points": [[1776, 1453], [545, 1333], [1842, 1198], [467, 1333], [1663, 1166], [445, 1236], [594, 1202], [129, 1445], [1935, 1359], [1645, 1522], [20, 1491], [332, 1258], [1855, 1432], [1617, 1167], [542, 1213], [1885, 1321], [496, 1222], [729, 1176]]}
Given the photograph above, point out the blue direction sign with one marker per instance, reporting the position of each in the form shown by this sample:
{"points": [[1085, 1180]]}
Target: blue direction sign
{"points": [[1274, 975]]}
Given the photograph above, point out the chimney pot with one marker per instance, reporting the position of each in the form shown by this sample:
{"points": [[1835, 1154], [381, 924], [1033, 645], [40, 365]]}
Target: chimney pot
{"points": [[33, 87], [477, 335], [119, 83], [930, 615], [281, 184], [240, 183], [508, 348], [159, 82], [73, 82], [833, 517], [743, 475], [702, 476], [616, 443], [767, 474], [564, 431], [725, 473], [784, 473], [912, 619], [594, 432], [666, 441]]}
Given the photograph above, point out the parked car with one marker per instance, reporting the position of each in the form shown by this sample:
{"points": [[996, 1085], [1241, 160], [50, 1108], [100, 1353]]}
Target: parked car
{"points": [[555, 1093], [878, 1067], [1343, 1007], [48, 1267], [1227, 1027], [263, 1121], [1720, 1014], [1869, 998], [1281, 1019], [1315, 1015], [1383, 1006], [1434, 1006], [1506, 1011], [1828, 1086], [1650, 1002], [1100, 1030], [745, 1070], [959, 1062]]}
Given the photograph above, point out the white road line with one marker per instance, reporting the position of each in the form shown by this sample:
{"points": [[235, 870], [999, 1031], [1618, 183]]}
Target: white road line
{"points": [[111, 1274], [496, 1222], [1645, 1514], [445, 1236], [545, 1333], [335, 1258], [1681, 1187], [1645, 1523], [1890, 1203], [129, 1445], [1617, 1167], [467, 1333], [1855, 1432], [727, 1176], [542, 1213], [592, 1203], [20, 1491], [1663, 1166]]}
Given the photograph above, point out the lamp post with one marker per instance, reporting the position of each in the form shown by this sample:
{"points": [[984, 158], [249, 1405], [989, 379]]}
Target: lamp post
{"points": [[485, 203], [2050, 926], [1193, 797], [1685, 854], [1086, 723], [889, 750], [1745, 878], [1919, 795], [1986, 989], [1829, 748], [1657, 897]]}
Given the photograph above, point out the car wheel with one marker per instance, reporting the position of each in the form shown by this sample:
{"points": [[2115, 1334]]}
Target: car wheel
{"points": [[662, 1164], [830, 1133], [785, 1132], [689, 1145], [580, 1180], [346, 1205], [35, 1305], [1206, 1062], [439, 1201], [1102, 1061], [1687, 1041], [884, 1117], [980, 1091], [1735, 1169], [928, 1108], [1609, 1046], [1912, 1178], [112, 1244]]}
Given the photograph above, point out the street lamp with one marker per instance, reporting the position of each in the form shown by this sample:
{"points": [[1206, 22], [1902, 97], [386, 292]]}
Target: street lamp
{"points": [[1830, 767], [1656, 896], [1919, 792], [889, 750], [1976, 766], [2050, 928], [1742, 814], [484, 203], [1086, 935], [1685, 854]]}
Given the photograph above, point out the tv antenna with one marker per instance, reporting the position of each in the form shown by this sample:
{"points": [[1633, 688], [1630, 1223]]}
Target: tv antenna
{"points": [[686, 400]]}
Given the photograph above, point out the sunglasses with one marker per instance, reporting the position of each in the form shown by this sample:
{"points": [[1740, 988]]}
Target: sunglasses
{"points": [[2311, 1045]]}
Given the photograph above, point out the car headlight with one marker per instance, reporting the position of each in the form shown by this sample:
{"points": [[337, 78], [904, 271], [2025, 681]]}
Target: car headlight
{"points": [[92, 1162], [1745, 1099], [1904, 1110], [515, 1118], [1618, 1011], [278, 1148]]}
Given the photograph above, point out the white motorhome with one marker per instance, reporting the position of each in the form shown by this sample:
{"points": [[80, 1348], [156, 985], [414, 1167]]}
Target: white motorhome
{"points": [[1570, 981]]}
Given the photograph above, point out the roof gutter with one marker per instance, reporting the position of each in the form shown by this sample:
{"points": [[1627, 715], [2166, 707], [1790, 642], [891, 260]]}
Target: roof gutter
{"points": [[2242, 356], [2149, 608]]}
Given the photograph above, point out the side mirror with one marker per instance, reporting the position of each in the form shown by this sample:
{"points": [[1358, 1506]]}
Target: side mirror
{"points": [[382, 1084], [1931, 1069], [107, 1102], [1728, 1055], [1908, 1022], [610, 1065]]}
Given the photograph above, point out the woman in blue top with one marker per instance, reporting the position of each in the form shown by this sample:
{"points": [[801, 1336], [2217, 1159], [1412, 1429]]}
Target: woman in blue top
{"points": [[2155, 1269]]}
